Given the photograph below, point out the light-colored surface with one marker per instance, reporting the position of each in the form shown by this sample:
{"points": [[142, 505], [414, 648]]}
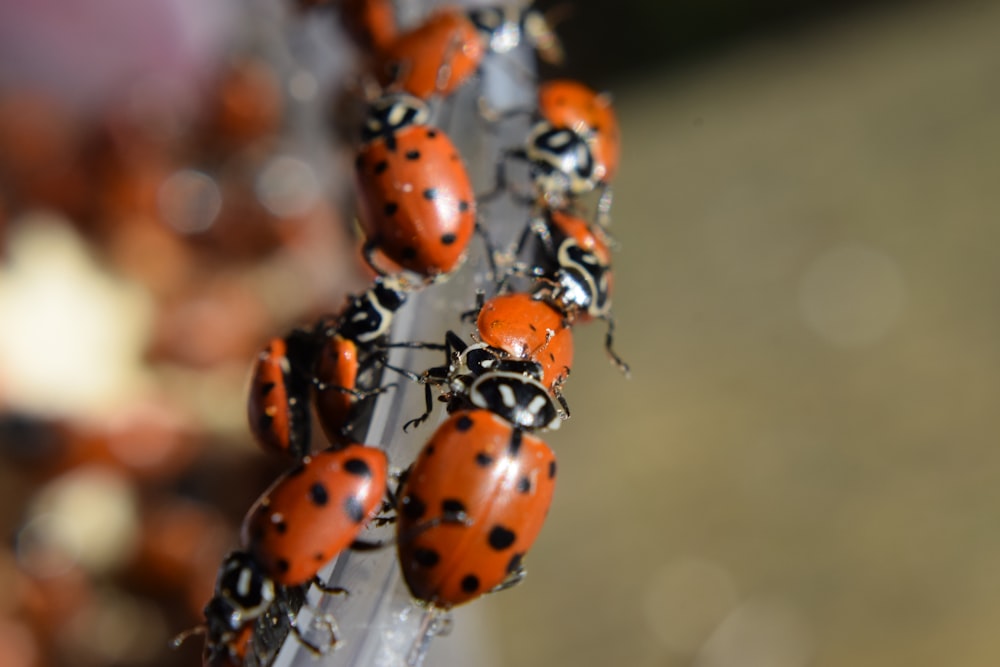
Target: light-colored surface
{"points": [[803, 469]]}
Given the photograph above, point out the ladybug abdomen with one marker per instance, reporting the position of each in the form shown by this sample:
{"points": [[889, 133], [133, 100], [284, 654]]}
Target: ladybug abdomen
{"points": [[475, 501], [314, 511], [416, 199]]}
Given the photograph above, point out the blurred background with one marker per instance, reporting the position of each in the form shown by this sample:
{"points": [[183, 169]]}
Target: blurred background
{"points": [[801, 470]]}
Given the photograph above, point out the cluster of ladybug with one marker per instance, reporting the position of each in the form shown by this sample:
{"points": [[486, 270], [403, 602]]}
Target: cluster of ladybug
{"points": [[469, 507]]}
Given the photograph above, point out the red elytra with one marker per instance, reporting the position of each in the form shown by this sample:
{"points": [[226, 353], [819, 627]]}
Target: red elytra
{"points": [[417, 202], [526, 328], [370, 23], [338, 367], [435, 58], [278, 401], [473, 504], [314, 511], [567, 103]]}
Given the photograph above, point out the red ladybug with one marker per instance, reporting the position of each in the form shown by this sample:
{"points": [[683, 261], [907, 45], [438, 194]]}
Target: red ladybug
{"points": [[567, 103], [314, 511], [371, 23], [435, 58], [349, 348], [416, 199], [278, 401], [471, 507], [530, 329]]}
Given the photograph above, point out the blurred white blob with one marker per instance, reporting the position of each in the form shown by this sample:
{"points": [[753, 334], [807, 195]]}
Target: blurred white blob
{"points": [[685, 600], [852, 295], [287, 186], [88, 517], [72, 335], [189, 201], [759, 633]]}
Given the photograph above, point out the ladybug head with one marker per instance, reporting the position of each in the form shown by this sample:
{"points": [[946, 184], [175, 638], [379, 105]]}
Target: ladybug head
{"points": [[391, 113], [561, 163], [499, 26], [242, 592], [369, 316]]}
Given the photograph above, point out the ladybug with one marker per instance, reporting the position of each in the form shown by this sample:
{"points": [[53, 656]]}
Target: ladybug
{"points": [[242, 595], [527, 328], [435, 58], [574, 268], [472, 505], [567, 103], [314, 511], [278, 401], [416, 199], [370, 23], [349, 346], [503, 28]]}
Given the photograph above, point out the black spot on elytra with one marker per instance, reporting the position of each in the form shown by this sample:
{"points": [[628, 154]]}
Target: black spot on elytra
{"points": [[409, 252], [355, 512], [464, 423], [484, 460], [357, 467], [430, 194], [448, 239], [318, 494], [391, 208], [452, 506], [412, 155], [470, 583], [552, 469], [281, 527], [552, 357], [500, 538], [516, 438], [432, 133], [426, 557], [413, 507], [524, 485], [265, 422], [515, 563], [532, 327], [381, 166], [282, 565], [429, 449], [266, 388], [463, 206]]}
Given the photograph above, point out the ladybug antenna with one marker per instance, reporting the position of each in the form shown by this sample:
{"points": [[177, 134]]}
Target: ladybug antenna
{"points": [[179, 639]]}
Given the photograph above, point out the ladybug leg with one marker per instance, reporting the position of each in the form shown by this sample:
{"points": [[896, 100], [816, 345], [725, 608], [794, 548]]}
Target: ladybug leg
{"points": [[368, 252], [328, 625], [470, 315], [489, 248], [500, 184], [603, 213], [512, 579], [541, 36], [329, 590], [608, 340], [428, 409]]}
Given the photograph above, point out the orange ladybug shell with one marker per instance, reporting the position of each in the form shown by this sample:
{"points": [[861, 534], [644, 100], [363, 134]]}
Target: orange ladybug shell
{"points": [[277, 417], [436, 57], [416, 199], [314, 511], [371, 23], [337, 366], [500, 480], [526, 328], [566, 103]]}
